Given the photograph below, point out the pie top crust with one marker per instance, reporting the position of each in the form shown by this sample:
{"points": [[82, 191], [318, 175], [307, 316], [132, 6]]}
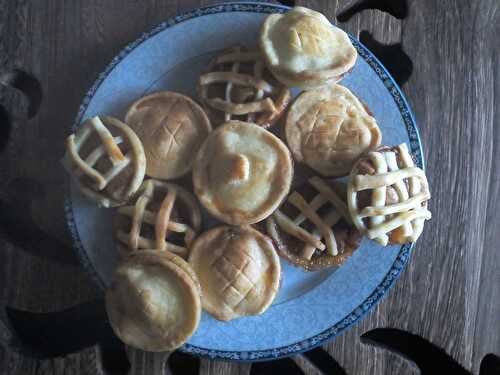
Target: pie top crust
{"points": [[238, 269], [171, 127], [164, 216], [329, 129], [313, 229], [238, 86], [106, 159], [242, 173], [387, 196], [303, 49], [153, 304]]}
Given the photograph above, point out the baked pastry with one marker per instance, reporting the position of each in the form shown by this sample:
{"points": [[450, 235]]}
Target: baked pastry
{"points": [[152, 303], [329, 129], [238, 86], [303, 49], [163, 217], [238, 269], [313, 229], [171, 127], [387, 196], [242, 173], [106, 159]]}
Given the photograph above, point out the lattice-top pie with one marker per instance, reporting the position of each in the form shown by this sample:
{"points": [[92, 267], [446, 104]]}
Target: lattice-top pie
{"points": [[171, 127], [154, 302], [238, 269], [303, 49], [163, 217], [238, 86], [313, 229], [387, 196], [242, 173], [329, 129], [106, 159]]}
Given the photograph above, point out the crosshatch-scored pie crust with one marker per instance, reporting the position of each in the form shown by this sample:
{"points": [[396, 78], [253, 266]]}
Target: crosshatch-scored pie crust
{"points": [[238, 269], [171, 127], [329, 129], [303, 49]]}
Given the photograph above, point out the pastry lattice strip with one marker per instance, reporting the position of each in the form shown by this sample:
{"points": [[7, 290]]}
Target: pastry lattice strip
{"points": [[250, 87], [308, 211], [408, 213], [109, 147], [159, 220]]}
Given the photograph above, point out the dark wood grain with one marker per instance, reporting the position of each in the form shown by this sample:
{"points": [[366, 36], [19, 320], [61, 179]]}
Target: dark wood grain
{"points": [[449, 294]]}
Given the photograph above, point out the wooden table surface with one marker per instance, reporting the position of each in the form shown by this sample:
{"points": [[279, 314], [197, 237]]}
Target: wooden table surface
{"points": [[450, 292]]}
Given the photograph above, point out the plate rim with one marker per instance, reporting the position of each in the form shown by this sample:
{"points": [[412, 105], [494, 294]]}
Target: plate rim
{"points": [[404, 253]]}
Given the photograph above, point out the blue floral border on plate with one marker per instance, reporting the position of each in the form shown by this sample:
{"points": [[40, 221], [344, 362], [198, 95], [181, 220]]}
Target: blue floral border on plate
{"points": [[403, 255]]}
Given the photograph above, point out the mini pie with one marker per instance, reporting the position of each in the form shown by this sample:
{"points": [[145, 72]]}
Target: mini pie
{"points": [[329, 129], [106, 159], [387, 196], [238, 269], [313, 228], [238, 86], [171, 127], [303, 49], [242, 173], [153, 304], [163, 217]]}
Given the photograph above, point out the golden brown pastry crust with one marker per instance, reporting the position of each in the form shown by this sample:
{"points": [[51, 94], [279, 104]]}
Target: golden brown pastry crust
{"points": [[162, 210], [387, 196], [303, 49], [329, 129], [106, 160], [313, 215], [153, 304], [242, 173], [171, 127], [238, 86], [238, 269]]}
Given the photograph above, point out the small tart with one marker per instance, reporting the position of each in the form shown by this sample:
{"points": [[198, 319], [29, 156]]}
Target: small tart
{"points": [[329, 129], [106, 159], [164, 216], [171, 127], [303, 49], [153, 304], [312, 229], [387, 196], [242, 173], [238, 86], [238, 269]]}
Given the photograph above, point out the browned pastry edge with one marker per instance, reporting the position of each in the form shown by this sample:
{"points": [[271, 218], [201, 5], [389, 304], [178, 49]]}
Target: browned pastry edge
{"points": [[163, 341]]}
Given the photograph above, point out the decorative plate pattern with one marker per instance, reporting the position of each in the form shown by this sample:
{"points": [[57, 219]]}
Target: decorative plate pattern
{"points": [[394, 268]]}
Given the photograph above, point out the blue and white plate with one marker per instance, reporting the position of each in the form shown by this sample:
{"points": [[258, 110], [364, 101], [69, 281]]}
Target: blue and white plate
{"points": [[310, 307]]}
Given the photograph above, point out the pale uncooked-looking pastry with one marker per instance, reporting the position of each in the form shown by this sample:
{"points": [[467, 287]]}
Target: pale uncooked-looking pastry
{"points": [[164, 216], [242, 173], [303, 49], [238, 269], [153, 303], [387, 196], [329, 129], [238, 86], [106, 159], [171, 127], [313, 229]]}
